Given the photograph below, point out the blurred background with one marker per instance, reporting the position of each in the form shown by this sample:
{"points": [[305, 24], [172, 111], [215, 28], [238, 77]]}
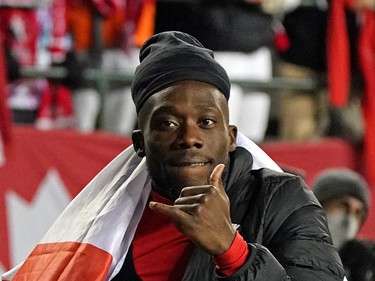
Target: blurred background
{"points": [[303, 89]]}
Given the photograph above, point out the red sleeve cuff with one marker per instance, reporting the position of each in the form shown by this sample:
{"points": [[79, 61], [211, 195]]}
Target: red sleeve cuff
{"points": [[231, 260]]}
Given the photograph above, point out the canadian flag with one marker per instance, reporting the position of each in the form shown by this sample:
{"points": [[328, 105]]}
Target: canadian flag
{"points": [[95, 229], [43, 171], [24, 222]]}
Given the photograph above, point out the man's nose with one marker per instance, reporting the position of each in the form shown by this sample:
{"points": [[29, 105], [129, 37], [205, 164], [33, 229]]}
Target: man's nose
{"points": [[190, 135]]}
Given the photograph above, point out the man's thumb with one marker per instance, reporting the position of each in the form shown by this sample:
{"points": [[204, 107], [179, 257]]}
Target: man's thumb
{"points": [[215, 177]]}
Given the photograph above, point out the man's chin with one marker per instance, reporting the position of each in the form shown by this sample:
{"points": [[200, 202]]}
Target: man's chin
{"points": [[174, 180], [187, 183], [172, 191], [168, 192]]}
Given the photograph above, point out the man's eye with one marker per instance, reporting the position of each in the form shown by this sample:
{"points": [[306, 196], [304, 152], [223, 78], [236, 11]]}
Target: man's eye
{"points": [[168, 124], [208, 122]]}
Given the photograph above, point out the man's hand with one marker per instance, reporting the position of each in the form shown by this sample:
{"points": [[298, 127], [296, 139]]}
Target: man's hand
{"points": [[202, 213]]}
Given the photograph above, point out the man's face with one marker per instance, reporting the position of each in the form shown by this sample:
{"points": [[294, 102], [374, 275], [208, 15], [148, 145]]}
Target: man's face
{"points": [[348, 205], [345, 215], [184, 135]]}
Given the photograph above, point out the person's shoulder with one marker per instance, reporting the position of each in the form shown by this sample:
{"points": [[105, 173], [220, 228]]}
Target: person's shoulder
{"points": [[364, 246], [274, 180], [284, 187], [361, 264]]}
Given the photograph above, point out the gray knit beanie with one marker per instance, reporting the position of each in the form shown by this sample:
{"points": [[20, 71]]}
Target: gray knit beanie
{"points": [[334, 183]]}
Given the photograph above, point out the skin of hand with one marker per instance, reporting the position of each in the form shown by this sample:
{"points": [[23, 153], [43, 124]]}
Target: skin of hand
{"points": [[202, 213]]}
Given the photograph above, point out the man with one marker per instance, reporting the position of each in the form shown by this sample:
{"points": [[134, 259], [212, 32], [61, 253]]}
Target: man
{"points": [[193, 203], [344, 196]]}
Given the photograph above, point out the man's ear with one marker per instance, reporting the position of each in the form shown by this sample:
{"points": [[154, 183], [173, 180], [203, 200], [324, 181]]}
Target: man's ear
{"points": [[138, 143], [233, 137]]}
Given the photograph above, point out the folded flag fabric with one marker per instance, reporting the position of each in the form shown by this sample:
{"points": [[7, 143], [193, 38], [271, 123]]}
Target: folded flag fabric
{"points": [[90, 239], [92, 235]]}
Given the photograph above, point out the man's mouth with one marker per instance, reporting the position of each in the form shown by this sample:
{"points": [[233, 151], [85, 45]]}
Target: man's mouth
{"points": [[191, 164]]}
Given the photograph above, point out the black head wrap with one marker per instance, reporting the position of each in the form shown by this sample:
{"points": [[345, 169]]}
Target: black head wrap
{"points": [[169, 57]]}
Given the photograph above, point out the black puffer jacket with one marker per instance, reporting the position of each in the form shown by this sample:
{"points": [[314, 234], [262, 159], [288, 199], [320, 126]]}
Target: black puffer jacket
{"points": [[283, 223]]}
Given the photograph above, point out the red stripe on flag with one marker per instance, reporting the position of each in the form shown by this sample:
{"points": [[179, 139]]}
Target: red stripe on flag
{"points": [[65, 261]]}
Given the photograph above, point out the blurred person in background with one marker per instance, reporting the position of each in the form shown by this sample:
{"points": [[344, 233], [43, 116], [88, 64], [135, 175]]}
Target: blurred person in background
{"points": [[20, 30], [38, 101], [241, 35], [358, 257], [6, 66], [106, 34], [344, 195], [321, 41]]}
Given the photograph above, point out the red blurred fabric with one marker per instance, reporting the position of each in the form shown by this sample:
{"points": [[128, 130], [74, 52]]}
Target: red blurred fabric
{"points": [[338, 55], [367, 63], [5, 116]]}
